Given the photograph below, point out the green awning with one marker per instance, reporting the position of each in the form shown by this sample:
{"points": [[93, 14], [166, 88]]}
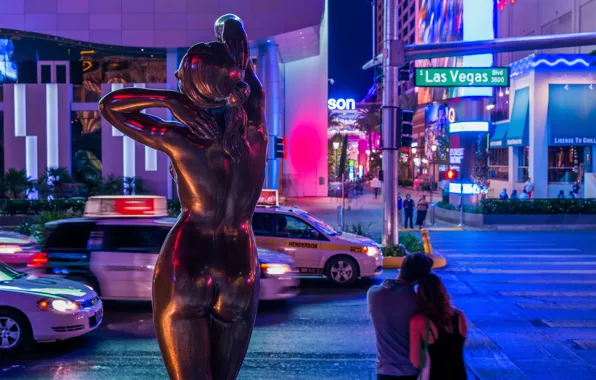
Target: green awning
{"points": [[517, 134], [498, 139], [571, 114]]}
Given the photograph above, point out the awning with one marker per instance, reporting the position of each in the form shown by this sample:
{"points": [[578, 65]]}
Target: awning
{"points": [[517, 134], [571, 114], [498, 139]]}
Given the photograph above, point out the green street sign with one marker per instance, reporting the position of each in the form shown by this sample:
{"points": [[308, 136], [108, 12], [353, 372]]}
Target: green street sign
{"points": [[462, 77]]}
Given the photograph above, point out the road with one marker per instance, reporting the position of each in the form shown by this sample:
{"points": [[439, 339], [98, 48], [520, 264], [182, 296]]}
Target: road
{"points": [[529, 298]]}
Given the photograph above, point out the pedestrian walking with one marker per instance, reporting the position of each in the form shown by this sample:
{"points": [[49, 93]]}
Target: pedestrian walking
{"points": [[399, 208], [376, 186], [409, 211], [576, 189], [391, 306], [417, 185], [437, 333], [529, 187], [422, 209]]}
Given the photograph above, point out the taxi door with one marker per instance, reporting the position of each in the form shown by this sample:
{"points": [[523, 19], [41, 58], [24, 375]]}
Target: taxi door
{"points": [[301, 241], [124, 266]]}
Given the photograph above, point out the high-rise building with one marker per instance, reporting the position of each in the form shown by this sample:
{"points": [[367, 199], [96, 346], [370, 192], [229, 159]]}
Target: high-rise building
{"points": [[58, 58]]}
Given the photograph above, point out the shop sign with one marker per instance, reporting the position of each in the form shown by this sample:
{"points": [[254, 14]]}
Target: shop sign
{"points": [[341, 104], [462, 77], [574, 140]]}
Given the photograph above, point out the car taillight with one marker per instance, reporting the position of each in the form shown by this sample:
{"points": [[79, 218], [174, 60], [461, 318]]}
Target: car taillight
{"points": [[38, 261]]}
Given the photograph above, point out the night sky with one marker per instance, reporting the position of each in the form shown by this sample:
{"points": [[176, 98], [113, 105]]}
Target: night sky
{"points": [[350, 47]]}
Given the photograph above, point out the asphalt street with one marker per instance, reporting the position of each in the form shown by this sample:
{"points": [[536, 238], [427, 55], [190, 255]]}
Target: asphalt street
{"points": [[529, 298]]}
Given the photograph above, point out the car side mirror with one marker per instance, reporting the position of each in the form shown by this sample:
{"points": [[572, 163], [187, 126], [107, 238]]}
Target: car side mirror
{"points": [[315, 235]]}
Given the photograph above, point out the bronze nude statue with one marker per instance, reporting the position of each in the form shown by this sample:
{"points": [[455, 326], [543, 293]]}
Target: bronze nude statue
{"points": [[206, 281]]}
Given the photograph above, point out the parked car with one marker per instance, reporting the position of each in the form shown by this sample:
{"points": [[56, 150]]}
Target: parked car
{"points": [[42, 309], [16, 249]]}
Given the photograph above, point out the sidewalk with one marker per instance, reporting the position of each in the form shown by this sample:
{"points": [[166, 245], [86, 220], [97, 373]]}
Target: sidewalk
{"points": [[364, 210]]}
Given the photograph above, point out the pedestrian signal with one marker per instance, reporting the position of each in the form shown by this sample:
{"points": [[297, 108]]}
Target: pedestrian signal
{"points": [[451, 175]]}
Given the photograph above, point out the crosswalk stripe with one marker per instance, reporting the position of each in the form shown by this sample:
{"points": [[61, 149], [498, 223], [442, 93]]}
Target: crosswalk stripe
{"points": [[540, 281], [514, 256], [548, 294], [530, 271], [566, 323], [557, 306], [526, 263]]}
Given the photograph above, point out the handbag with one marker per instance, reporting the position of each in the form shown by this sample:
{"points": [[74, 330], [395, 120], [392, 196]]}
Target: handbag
{"points": [[421, 375]]}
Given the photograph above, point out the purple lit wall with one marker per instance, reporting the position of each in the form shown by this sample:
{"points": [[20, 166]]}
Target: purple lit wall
{"points": [[37, 127], [154, 23]]}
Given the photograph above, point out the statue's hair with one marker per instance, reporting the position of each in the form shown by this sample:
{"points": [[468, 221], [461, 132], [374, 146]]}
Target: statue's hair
{"points": [[209, 77]]}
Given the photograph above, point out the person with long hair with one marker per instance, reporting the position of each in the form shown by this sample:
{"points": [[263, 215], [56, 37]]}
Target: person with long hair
{"points": [[206, 280], [422, 209], [437, 333]]}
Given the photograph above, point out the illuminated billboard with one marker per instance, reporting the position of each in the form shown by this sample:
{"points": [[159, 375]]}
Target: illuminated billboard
{"points": [[448, 21]]}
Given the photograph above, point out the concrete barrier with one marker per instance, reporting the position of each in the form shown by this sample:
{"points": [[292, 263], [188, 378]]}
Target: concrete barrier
{"points": [[439, 261]]}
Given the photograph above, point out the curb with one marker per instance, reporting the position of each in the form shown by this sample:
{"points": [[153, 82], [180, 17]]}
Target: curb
{"points": [[439, 261]]}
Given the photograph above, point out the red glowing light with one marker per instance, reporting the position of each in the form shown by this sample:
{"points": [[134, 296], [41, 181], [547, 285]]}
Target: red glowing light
{"points": [[124, 206], [38, 261], [451, 174], [305, 146]]}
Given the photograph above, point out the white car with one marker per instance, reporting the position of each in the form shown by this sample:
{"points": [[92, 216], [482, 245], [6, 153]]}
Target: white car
{"points": [[114, 251], [44, 309]]}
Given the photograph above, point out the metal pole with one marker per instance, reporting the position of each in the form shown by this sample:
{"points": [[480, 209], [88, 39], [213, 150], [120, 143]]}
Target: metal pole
{"points": [[432, 182], [343, 200], [390, 107], [461, 201], [498, 45]]}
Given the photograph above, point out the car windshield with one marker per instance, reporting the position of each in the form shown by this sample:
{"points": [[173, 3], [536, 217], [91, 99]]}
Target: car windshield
{"points": [[327, 229], [8, 274]]}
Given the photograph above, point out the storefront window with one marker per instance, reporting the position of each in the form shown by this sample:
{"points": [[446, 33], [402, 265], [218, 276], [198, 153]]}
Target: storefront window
{"points": [[498, 164], [523, 154], [566, 162]]}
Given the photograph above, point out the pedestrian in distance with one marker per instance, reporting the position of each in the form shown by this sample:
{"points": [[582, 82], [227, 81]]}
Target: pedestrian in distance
{"points": [[399, 208], [514, 195], [417, 185], [529, 187], [575, 189], [437, 333], [503, 194], [561, 195], [376, 185], [422, 209], [524, 195], [408, 206], [571, 195], [391, 306]]}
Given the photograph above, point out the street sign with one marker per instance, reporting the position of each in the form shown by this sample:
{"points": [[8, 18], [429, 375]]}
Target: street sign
{"points": [[462, 77]]}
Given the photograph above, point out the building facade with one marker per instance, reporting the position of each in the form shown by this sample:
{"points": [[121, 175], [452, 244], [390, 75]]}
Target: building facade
{"points": [[59, 57]]}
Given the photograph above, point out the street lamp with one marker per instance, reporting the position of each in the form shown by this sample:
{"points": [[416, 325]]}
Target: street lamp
{"points": [[413, 150], [335, 148], [433, 148]]}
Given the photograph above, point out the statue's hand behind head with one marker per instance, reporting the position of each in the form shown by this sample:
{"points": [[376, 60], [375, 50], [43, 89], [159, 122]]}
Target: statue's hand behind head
{"points": [[200, 121]]}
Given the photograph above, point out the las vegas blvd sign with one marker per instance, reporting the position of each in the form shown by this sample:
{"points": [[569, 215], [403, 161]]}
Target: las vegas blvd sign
{"points": [[462, 77]]}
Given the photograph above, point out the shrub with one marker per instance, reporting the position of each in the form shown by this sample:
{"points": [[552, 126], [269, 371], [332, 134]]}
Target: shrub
{"points": [[357, 229], [539, 206], [406, 182], [409, 241]]}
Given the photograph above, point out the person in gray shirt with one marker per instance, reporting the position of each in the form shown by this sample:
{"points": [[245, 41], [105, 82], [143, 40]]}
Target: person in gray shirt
{"points": [[391, 305]]}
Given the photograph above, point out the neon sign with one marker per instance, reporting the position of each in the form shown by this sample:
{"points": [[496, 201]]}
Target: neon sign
{"points": [[341, 104]]}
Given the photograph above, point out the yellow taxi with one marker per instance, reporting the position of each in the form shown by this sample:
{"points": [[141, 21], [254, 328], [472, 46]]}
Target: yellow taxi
{"points": [[317, 248]]}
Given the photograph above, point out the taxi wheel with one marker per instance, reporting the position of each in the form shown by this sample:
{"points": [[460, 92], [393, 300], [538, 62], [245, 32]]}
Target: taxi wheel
{"points": [[15, 331], [342, 270]]}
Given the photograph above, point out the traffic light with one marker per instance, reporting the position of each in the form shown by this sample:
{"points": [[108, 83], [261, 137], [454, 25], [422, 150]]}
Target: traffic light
{"points": [[280, 147], [404, 128], [451, 174]]}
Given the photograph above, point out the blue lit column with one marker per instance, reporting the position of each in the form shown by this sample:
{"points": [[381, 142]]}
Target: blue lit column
{"points": [[269, 74]]}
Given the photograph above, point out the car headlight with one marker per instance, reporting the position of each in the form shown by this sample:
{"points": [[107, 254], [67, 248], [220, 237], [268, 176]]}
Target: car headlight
{"points": [[373, 251], [275, 269], [60, 306]]}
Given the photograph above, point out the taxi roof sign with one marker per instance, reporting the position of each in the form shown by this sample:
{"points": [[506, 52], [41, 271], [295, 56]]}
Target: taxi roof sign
{"points": [[269, 198], [126, 206]]}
